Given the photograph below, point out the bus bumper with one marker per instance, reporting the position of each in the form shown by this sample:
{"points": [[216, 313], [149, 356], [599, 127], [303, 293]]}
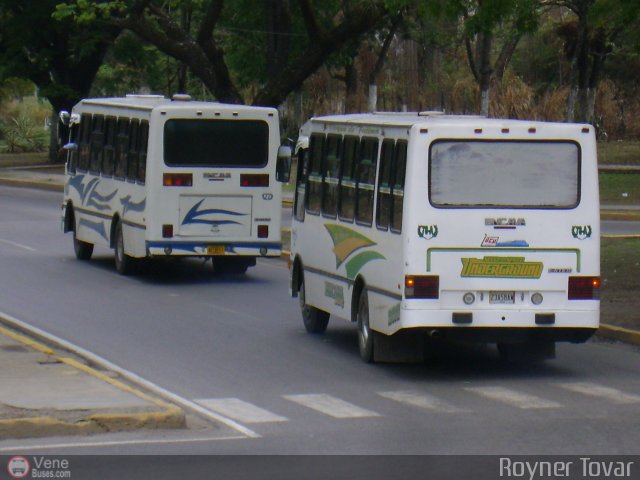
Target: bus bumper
{"points": [[201, 249], [500, 326]]}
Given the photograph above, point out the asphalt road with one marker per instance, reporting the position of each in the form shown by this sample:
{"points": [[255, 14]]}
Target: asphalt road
{"points": [[236, 345]]}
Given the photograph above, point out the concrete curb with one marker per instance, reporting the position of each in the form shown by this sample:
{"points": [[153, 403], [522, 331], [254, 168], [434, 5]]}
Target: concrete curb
{"points": [[167, 416], [628, 216], [17, 182], [619, 333]]}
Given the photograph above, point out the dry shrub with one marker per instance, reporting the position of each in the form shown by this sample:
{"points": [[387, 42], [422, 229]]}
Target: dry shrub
{"points": [[512, 99]]}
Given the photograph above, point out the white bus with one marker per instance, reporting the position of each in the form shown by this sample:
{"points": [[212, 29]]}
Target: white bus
{"points": [[418, 226], [157, 177]]}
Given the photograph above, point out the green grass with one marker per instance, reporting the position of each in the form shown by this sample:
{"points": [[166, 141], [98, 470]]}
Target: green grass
{"points": [[619, 153], [620, 188], [620, 272]]}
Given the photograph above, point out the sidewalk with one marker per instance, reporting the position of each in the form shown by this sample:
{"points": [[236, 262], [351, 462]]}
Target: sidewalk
{"points": [[48, 392]]}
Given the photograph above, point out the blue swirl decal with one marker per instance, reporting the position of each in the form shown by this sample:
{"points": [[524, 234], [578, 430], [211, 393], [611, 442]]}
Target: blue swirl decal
{"points": [[129, 206], [97, 227], [194, 215]]}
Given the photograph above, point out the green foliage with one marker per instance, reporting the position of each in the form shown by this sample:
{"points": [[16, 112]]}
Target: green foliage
{"points": [[22, 125]]}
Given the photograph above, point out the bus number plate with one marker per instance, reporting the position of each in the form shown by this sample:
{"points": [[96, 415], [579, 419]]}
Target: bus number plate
{"points": [[215, 250], [502, 297]]}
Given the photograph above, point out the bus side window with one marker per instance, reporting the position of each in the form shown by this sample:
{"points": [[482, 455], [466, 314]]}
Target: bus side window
{"points": [[133, 151], [109, 147], [347, 188], [142, 159], [383, 207], [83, 146], [301, 183], [97, 144], [122, 144], [314, 180], [397, 189], [331, 169], [366, 178]]}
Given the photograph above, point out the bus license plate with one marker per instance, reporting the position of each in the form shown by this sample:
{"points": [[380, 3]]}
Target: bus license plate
{"points": [[502, 297], [215, 250]]}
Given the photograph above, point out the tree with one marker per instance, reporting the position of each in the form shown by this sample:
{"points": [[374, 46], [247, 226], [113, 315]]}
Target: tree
{"points": [[325, 27], [59, 57], [590, 38], [489, 26]]}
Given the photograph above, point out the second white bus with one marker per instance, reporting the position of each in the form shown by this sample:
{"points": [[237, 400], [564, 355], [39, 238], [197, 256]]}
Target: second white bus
{"points": [[463, 228], [155, 177]]}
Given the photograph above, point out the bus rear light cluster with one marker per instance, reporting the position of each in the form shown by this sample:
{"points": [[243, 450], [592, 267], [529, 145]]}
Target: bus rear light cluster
{"points": [[584, 288], [254, 180], [177, 179], [422, 286], [263, 231], [167, 230]]}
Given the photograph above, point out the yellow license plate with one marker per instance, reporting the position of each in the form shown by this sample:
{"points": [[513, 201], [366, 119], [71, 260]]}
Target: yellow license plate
{"points": [[215, 250]]}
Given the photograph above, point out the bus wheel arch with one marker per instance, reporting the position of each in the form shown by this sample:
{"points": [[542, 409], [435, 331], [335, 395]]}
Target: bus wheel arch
{"points": [[124, 263], [315, 320], [360, 309], [83, 250], [296, 276], [69, 218]]}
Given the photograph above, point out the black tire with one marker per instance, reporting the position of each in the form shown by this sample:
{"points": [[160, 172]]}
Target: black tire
{"points": [[315, 320], [365, 334], [83, 250], [124, 263]]}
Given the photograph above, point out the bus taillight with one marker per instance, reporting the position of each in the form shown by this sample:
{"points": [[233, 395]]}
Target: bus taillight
{"points": [[584, 288], [422, 286], [177, 179], [254, 180]]}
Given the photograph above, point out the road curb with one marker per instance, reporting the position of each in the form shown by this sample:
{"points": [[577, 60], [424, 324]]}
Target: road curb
{"points": [[624, 216], [17, 182], [619, 333], [167, 416]]}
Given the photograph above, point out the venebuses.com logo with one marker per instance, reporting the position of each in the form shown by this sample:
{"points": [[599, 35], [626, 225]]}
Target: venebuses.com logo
{"points": [[38, 467]]}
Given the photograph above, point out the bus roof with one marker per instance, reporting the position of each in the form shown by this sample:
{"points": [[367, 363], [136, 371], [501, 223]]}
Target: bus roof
{"points": [[150, 102], [409, 119]]}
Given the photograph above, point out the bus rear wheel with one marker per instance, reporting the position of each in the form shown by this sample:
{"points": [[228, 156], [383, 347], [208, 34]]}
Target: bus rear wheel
{"points": [[83, 250], [365, 334], [315, 320], [124, 263]]}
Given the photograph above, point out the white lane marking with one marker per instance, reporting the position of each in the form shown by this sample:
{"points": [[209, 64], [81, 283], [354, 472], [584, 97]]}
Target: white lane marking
{"points": [[240, 410], [612, 395], [513, 397], [421, 400], [19, 245], [332, 406], [132, 377], [115, 443]]}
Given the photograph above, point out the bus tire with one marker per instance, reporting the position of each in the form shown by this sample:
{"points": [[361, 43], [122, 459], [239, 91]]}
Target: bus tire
{"points": [[124, 263], [83, 250], [315, 320], [365, 334]]}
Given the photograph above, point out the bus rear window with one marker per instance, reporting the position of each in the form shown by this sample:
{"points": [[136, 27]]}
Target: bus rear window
{"points": [[216, 143], [504, 174]]}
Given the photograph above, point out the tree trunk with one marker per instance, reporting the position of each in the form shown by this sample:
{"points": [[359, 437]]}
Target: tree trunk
{"points": [[373, 97]]}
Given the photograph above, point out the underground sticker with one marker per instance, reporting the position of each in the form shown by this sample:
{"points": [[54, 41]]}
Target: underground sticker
{"points": [[500, 267]]}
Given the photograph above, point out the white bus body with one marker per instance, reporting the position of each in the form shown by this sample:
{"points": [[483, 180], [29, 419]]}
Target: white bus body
{"points": [[465, 228], [154, 177]]}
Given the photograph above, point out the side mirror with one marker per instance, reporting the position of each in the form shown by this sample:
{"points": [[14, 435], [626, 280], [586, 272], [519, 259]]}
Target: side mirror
{"points": [[65, 118], [70, 147], [283, 164]]}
